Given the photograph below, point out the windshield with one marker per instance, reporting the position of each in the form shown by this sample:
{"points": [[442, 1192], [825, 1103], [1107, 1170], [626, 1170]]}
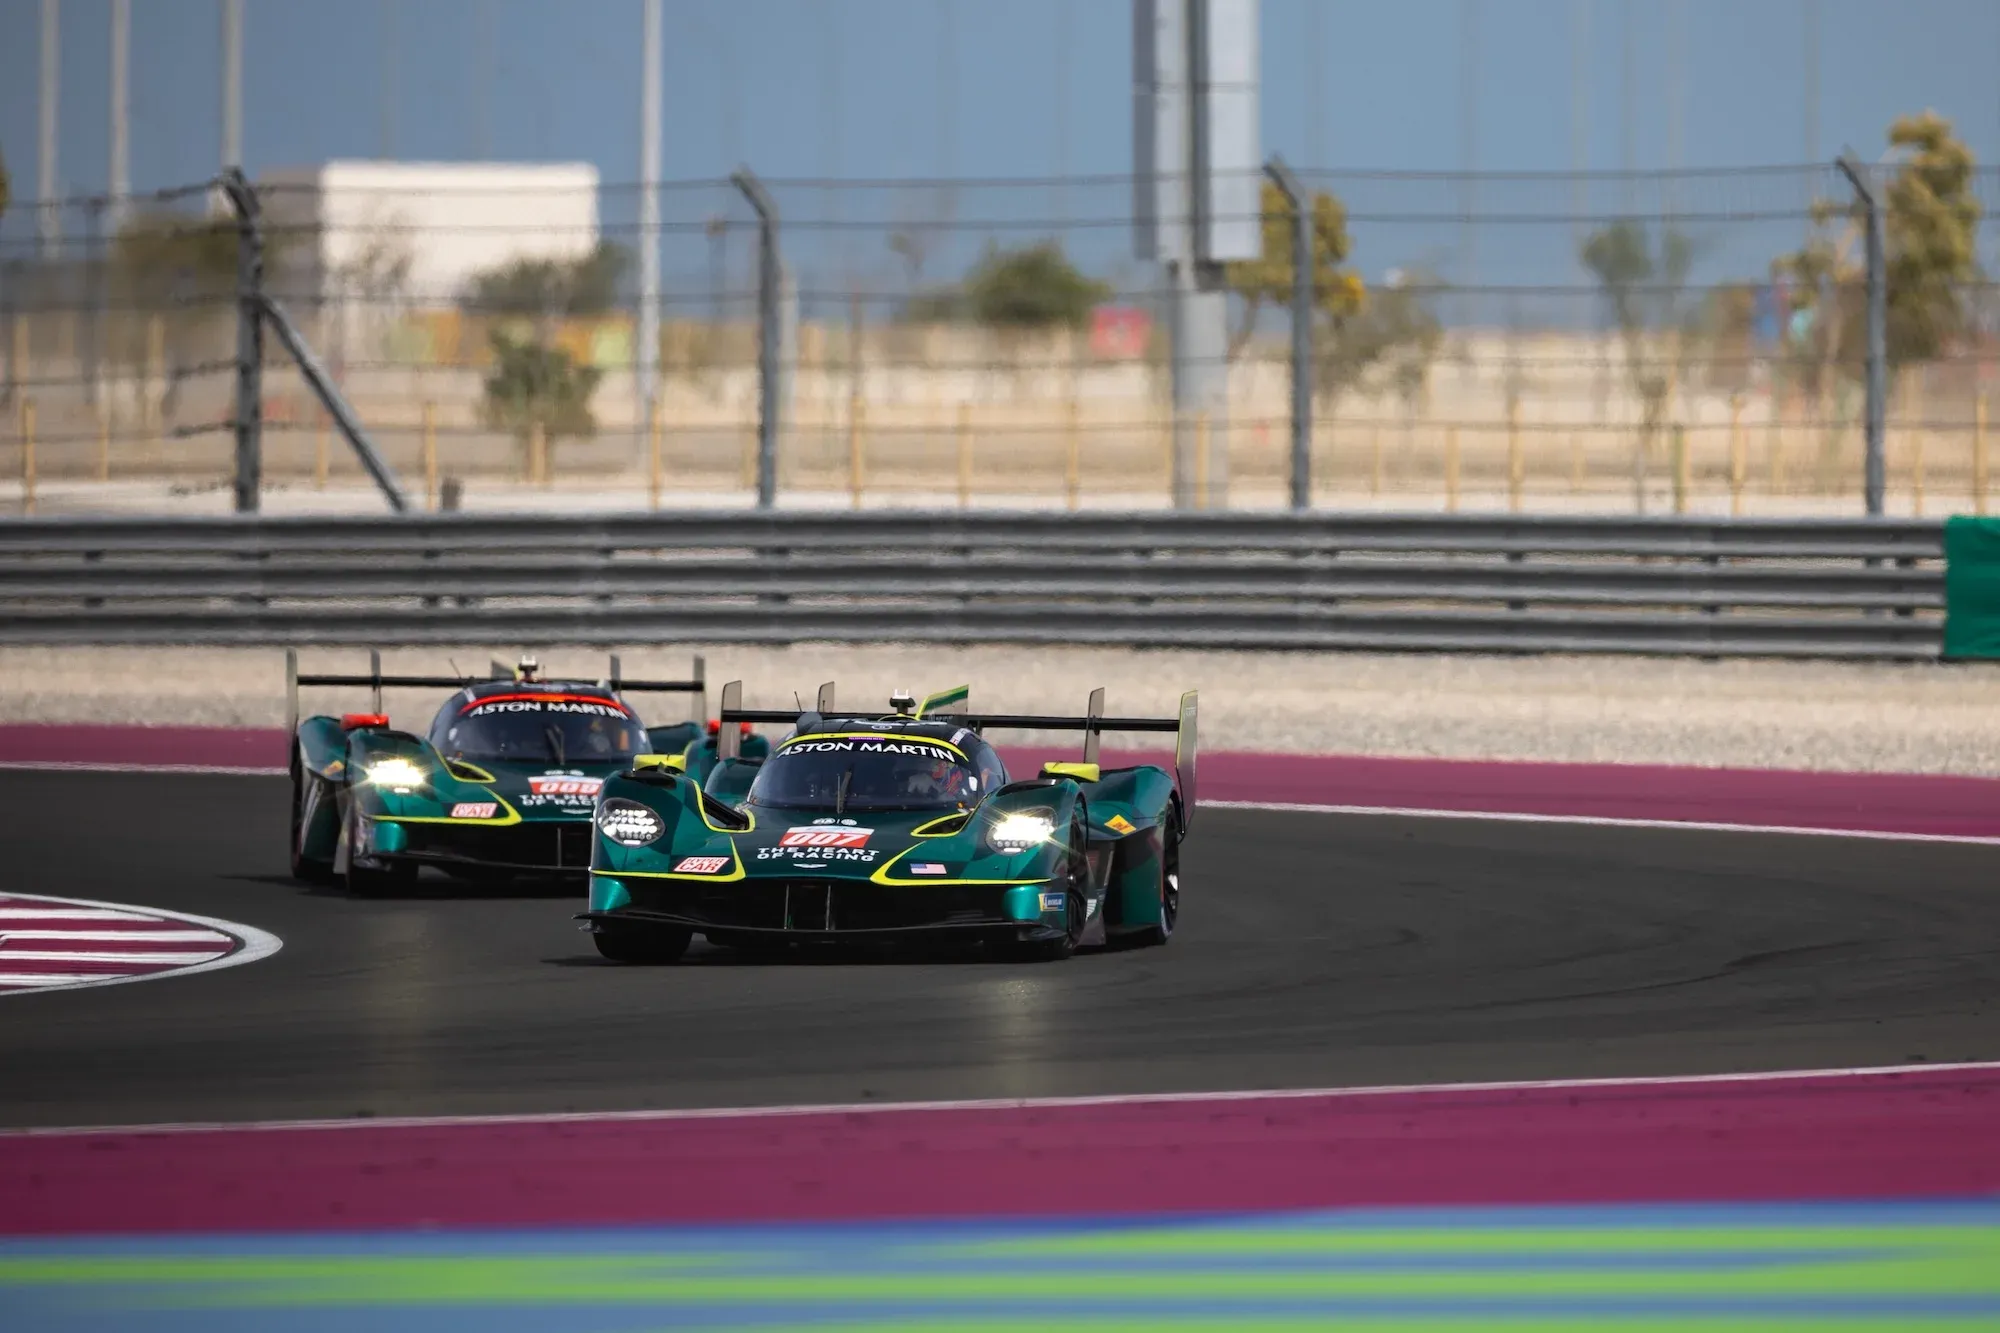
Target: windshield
{"points": [[554, 729], [863, 773]]}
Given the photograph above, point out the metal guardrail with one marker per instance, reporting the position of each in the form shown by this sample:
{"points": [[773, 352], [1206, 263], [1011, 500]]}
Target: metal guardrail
{"points": [[1808, 587]]}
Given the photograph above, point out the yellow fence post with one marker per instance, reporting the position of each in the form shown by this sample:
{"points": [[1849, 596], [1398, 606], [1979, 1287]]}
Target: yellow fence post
{"points": [[1917, 473], [1375, 460], [1979, 454], [103, 443], [20, 349], [1451, 469], [538, 454], [322, 440], [1681, 469], [430, 456], [1170, 426], [27, 456], [964, 455], [1738, 455], [747, 473], [1073, 460], [655, 468], [1201, 461], [156, 369], [854, 463], [1516, 466]]}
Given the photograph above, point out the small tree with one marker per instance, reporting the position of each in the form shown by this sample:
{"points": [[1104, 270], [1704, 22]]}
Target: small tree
{"points": [[1031, 289], [534, 382], [534, 385], [1645, 288], [1395, 333], [6, 188], [1337, 292]]}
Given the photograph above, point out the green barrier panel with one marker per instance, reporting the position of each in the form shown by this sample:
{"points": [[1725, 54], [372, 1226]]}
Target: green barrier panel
{"points": [[1971, 587]]}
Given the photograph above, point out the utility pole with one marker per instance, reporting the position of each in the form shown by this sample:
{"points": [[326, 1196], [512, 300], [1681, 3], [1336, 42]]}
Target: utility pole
{"points": [[232, 84], [49, 224], [120, 175], [649, 210]]}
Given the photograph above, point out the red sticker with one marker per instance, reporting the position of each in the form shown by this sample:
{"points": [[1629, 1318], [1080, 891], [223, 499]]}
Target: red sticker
{"points": [[475, 810], [701, 865], [825, 836], [555, 784]]}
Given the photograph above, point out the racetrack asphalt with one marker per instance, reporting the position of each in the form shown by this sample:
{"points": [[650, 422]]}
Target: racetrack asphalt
{"points": [[1316, 950]]}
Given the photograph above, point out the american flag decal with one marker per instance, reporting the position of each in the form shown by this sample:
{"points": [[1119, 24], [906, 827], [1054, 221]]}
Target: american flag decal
{"points": [[48, 943]]}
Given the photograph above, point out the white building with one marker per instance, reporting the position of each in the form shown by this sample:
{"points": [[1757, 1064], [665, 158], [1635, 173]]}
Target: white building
{"points": [[369, 240]]}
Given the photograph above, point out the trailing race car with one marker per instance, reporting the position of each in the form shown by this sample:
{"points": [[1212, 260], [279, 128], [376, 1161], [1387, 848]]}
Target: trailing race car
{"points": [[504, 783], [890, 827]]}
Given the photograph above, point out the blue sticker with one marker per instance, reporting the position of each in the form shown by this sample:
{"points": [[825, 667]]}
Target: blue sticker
{"points": [[1052, 902]]}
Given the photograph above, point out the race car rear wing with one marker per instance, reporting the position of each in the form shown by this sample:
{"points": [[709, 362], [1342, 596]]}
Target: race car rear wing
{"points": [[375, 682], [1093, 724]]}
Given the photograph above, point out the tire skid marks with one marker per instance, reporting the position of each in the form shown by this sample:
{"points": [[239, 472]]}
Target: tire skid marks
{"points": [[56, 942]]}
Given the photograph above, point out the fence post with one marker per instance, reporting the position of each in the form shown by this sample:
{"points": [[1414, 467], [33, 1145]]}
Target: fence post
{"points": [[1917, 473], [1374, 460], [322, 440], [430, 456], [769, 281], [964, 455], [27, 457], [1516, 466], [854, 451], [1681, 469], [1874, 472], [538, 454], [1738, 455], [1979, 454], [1302, 340], [655, 468], [249, 343], [1451, 469], [103, 444], [1201, 461], [1073, 460]]}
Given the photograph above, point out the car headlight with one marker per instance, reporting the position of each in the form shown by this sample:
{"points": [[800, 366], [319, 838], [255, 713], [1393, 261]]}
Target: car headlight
{"points": [[628, 823], [396, 772], [1021, 830]]}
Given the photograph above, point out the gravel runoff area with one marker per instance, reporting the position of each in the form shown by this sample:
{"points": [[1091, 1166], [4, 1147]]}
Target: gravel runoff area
{"points": [[1880, 718]]}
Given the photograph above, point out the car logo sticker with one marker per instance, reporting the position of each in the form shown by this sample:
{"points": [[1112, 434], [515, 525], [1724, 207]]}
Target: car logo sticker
{"points": [[1120, 824], [1052, 902], [825, 836], [701, 865], [475, 810], [926, 868]]}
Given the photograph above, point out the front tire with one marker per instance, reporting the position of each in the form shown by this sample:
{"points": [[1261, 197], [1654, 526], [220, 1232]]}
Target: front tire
{"points": [[639, 944], [304, 868], [1075, 880], [1169, 887], [374, 881]]}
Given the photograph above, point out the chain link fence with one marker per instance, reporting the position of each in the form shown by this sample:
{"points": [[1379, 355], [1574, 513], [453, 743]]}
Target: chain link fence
{"points": [[1605, 343]]}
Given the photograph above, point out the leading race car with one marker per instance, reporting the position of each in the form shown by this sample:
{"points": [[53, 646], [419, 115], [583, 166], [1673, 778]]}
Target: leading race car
{"points": [[502, 784], [888, 827]]}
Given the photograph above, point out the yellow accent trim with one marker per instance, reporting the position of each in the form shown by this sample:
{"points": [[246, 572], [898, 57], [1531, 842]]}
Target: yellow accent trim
{"points": [[736, 873], [513, 816], [453, 767], [957, 694], [677, 762], [923, 830], [882, 876], [870, 736], [1081, 772]]}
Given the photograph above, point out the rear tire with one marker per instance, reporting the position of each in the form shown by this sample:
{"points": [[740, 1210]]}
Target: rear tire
{"points": [[1169, 887], [641, 944]]}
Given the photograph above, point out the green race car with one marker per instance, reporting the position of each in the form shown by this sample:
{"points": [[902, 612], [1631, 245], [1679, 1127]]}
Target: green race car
{"points": [[503, 783], [890, 827]]}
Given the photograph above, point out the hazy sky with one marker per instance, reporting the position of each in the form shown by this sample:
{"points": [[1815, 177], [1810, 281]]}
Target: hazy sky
{"points": [[922, 87], [903, 88]]}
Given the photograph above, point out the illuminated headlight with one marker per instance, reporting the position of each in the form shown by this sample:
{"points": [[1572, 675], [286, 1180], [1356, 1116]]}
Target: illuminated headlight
{"points": [[628, 823], [398, 773], [1020, 830]]}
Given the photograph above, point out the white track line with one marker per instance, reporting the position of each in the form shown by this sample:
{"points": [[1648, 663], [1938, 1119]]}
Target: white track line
{"points": [[122, 936], [256, 944], [1007, 1103], [141, 959], [1604, 821], [67, 914]]}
